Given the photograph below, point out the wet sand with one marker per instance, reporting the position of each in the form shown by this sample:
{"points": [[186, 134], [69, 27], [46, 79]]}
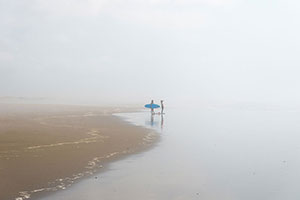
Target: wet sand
{"points": [[46, 148]]}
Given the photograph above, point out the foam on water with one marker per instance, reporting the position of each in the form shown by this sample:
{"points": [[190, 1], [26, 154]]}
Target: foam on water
{"points": [[94, 134]]}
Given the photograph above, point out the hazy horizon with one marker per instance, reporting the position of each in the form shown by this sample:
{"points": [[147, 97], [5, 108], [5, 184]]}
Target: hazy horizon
{"points": [[110, 51]]}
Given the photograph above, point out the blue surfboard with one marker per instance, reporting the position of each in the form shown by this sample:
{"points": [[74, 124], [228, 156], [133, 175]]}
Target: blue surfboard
{"points": [[152, 106]]}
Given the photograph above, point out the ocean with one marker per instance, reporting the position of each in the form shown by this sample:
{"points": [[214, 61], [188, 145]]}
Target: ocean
{"points": [[207, 154]]}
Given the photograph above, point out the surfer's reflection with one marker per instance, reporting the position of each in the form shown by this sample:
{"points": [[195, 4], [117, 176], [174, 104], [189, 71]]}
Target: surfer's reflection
{"points": [[161, 121], [152, 119], [155, 122]]}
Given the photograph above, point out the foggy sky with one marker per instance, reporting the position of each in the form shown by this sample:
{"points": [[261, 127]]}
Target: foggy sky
{"points": [[131, 51]]}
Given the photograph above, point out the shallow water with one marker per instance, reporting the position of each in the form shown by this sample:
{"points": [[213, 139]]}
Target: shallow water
{"points": [[205, 154]]}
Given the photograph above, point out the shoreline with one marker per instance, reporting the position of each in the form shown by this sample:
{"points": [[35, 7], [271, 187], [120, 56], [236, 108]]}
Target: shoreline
{"points": [[46, 148]]}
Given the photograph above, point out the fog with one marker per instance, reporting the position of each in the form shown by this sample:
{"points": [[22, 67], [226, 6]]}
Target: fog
{"points": [[131, 51]]}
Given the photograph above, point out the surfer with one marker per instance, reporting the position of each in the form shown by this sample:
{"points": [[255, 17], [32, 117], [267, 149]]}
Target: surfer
{"points": [[162, 106], [152, 109]]}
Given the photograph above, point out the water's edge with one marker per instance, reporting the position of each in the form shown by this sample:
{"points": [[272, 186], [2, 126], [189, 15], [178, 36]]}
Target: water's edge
{"points": [[96, 166]]}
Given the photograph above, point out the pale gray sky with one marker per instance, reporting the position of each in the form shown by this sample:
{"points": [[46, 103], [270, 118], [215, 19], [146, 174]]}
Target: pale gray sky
{"points": [[129, 51]]}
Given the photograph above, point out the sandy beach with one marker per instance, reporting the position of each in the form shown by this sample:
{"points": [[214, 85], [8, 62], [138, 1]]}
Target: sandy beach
{"points": [[46, 148]]}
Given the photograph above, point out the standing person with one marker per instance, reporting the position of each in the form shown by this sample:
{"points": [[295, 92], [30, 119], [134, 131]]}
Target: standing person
{"points": [[151, 105], [162, 106]]}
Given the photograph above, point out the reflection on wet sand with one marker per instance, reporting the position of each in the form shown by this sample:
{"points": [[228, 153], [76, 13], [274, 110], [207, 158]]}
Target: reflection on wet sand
{"points": [[155, 120], [162, 121]]}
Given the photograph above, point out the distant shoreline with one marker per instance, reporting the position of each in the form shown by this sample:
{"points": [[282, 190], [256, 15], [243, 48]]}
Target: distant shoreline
{"points": [[46, 148]]}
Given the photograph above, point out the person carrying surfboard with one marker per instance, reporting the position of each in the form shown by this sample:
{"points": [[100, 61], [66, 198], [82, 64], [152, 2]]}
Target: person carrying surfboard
{"points": [[162, 106], [151, 106]]}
